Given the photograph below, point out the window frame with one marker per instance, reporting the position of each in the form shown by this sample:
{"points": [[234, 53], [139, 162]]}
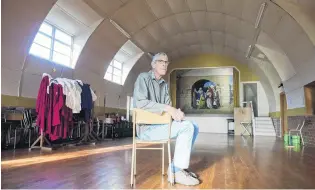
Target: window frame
{"points": [[112, 73], [52, 45]]}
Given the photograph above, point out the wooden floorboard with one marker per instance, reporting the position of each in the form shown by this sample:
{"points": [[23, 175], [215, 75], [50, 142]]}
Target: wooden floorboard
{"points": [[221, 162]]}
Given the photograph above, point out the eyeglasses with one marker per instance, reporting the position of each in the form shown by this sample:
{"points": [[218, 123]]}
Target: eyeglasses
{"points": [[162, 61]]}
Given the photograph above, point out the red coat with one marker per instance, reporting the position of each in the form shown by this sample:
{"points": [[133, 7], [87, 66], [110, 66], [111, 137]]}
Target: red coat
{"points": [[53, 116], [56, 103], [42, 103]]}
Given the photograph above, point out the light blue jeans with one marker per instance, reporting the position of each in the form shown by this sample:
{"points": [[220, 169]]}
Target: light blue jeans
{"points": [[185, 133]]}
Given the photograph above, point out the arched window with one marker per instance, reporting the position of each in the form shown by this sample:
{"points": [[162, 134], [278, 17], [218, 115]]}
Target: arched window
{"points": [[114, 72], [119, 68], [53, 44]]}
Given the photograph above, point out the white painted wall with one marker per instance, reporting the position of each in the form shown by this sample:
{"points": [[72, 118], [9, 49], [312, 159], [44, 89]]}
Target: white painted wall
{"points": [[295, 98], [210, 123], [280, 60], [263, 108], [269, 80]]}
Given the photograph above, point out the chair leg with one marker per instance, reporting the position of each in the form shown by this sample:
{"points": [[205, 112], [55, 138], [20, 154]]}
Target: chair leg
{"points": [[29, 137], [170, 162], [132, 165], [9, 135], [80, 130], [135, 172], [163, 173], [14, 138], [302, 138]]}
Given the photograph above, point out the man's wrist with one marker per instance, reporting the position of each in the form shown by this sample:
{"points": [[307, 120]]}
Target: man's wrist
{"points": [[167, 108]]}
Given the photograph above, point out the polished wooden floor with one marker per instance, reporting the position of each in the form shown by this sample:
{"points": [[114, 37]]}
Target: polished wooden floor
{"points": [[221, 162]]}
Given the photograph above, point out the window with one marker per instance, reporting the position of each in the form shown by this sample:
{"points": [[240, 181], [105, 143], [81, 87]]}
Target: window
{"points": [[114, 72], [52, 44], [123, 62]]}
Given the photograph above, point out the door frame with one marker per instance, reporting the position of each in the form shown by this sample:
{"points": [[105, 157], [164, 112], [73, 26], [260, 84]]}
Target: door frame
{"points": [[242, 93]]}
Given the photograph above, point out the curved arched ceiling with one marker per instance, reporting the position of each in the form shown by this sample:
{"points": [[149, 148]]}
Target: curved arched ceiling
{"points": [[280, 60], [182, 28], [178, 27], [303, 12], [268, 76], [19, 26]]}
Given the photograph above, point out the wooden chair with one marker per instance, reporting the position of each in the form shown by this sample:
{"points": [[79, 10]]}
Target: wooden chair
{"points": [[298, 130], [144, 117]]}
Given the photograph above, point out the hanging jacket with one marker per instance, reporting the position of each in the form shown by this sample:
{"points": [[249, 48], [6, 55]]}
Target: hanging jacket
{"points": [[56, 102], [72, 91], [86, 101], [42, 102]]}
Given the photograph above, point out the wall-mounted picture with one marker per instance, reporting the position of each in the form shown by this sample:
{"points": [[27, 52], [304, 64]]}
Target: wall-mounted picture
{"points": [[208, 90]]}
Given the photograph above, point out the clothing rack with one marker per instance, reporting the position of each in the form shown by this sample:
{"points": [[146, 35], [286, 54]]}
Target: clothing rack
{"points": [[41, 140], [88, 137], [55, 111]]}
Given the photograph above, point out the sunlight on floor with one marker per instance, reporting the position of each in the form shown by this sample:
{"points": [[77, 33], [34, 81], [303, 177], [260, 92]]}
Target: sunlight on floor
{"points": [[61, 156]]}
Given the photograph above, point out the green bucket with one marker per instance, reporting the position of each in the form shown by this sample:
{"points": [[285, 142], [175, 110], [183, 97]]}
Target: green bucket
{"points": [[297, 147], [296, 139], [286, 138]]}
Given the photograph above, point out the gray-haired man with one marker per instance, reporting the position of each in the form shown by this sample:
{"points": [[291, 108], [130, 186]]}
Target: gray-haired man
{"points": [[151, 93]]}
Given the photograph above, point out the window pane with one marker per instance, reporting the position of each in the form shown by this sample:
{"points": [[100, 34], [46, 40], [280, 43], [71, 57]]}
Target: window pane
{"points": [[47, 29], [116, 79], [61, 48], [42, 40], [61, 59], [110, 69], [108, 76], [40, 51], [117, 72], [117, 64], [63, 37]]}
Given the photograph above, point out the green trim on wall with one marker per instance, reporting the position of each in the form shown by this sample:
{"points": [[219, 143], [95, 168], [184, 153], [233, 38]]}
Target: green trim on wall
{"points": [[275, 114], [99, 110], [296, 111], [289, 112], [15, 101]]}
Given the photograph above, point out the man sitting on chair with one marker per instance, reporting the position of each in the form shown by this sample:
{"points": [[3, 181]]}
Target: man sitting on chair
{"points": [[151, 93]]}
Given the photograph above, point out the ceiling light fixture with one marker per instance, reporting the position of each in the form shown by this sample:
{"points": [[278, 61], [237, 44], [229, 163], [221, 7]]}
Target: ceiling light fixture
{"points": [[249, 51], [120, 28], [260, 13]]}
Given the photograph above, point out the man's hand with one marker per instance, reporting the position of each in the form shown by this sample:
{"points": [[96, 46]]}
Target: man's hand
{"points": [[180, 114], [176, 114]]}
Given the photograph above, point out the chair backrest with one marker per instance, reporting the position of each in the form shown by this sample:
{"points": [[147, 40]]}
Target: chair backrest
{"points": [[243, 114], [145, 117], [27, 118], [140, 116], [302, 125], [13, 115]]}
